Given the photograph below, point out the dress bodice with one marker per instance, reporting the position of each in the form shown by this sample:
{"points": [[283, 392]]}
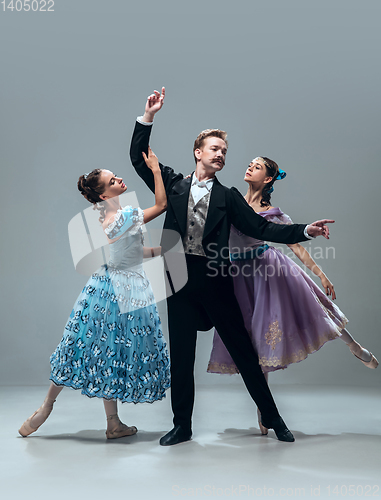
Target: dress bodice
{"points": [[240, 243], [127, 251]]}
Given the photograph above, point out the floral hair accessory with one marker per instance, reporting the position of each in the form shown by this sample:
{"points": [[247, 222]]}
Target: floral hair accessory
{"points": [[282, 175]]}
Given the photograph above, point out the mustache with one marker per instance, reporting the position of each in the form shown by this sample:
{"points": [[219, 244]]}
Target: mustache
{"points": [[218, 160]]}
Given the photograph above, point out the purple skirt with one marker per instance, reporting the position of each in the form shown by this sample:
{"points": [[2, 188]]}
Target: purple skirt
{"points": [[286, 314]]}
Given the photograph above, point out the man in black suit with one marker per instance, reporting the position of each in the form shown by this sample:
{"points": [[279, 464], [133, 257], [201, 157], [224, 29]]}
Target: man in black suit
{"points": [[202, 210]]}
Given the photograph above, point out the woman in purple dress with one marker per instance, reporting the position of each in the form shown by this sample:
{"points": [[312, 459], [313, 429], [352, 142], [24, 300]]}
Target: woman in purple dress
{"points": [[285, 312]]}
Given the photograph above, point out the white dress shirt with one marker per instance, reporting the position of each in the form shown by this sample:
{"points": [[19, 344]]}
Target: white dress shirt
{"points": [[200, 189]]}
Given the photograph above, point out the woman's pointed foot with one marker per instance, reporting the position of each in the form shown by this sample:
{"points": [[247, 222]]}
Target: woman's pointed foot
{"points": [[363, 355], [264, 430], [37, 419]]}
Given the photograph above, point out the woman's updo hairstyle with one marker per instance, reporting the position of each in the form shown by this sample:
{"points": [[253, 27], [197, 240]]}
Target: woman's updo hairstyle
{"points": [[272, 171], [91, 187]]}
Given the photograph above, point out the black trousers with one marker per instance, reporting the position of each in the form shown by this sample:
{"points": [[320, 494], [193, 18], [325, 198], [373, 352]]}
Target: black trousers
{"points": [[210, 293]]}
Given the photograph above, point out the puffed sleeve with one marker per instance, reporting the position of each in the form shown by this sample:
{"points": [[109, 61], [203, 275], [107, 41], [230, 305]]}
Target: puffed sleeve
{"points": [[280, 218], [127, 219]]}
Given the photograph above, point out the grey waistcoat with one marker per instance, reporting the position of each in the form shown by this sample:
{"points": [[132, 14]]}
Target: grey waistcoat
{"points": [[195, 225]]}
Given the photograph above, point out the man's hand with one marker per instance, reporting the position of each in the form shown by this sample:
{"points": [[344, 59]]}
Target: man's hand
{"points": [[319, 228], [154, 103]]}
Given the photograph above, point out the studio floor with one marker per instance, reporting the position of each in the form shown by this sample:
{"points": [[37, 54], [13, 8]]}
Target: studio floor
{"points": [[337, 452]]}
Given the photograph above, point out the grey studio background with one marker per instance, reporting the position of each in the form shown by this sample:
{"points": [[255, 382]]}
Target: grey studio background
{"points": [[297, 81]]}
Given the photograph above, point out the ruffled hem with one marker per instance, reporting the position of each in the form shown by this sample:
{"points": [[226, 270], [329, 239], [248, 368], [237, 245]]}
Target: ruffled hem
{"points": [[275, 363], [222, 368], [119, 397]]}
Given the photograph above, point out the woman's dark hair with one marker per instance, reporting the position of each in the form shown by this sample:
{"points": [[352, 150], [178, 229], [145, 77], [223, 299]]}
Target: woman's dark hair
{"points": [[272, 171], [91, 187]]}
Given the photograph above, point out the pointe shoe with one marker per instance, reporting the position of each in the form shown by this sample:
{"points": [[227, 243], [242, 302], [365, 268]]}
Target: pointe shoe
{"points": [[264, 430], [26, 429], [356, 349], [121, 430]]}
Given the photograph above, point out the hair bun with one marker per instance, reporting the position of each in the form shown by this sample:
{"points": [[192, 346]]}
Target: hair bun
{"points": [[80, 184], [90, 186]]}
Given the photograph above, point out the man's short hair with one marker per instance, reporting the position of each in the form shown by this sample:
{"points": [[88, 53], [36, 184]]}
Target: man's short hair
{"points": [[209, 132]]}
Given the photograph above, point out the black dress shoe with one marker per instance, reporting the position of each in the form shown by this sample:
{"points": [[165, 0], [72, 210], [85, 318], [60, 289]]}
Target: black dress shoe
{"points": [[175, 436], [280, 429]]}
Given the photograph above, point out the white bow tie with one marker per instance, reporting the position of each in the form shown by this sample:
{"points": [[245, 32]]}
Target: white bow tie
{"points": [[200, 184]]}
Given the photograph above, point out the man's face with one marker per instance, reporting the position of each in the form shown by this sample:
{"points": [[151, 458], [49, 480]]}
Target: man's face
{"points": [[211, 156]]}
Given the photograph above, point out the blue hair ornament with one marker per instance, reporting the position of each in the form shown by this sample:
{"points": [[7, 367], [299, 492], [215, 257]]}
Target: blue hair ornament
{"points": [[282, 174]]}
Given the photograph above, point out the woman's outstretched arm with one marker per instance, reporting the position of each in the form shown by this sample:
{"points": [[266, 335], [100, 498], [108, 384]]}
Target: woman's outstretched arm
{"points": [[160, 197], [309, 262]]}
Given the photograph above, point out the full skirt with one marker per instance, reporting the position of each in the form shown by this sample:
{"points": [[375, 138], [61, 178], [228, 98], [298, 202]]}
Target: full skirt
{"points": [[286, 314], [113, 346]]}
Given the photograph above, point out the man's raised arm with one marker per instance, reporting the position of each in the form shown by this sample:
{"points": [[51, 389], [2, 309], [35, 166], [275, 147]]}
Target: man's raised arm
{"points": [[154, 104], [140, 142]]}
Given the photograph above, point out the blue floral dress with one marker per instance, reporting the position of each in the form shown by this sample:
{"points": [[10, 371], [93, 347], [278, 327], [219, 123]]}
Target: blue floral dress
{"points": [[113, 346]]}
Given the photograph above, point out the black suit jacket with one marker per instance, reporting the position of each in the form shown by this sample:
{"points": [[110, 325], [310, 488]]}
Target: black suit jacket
{"points": [[226, 207]]}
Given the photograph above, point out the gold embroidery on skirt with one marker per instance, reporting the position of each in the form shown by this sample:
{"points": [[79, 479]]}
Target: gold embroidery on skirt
{"points": [[283, 361], [273, 335], [222, 368], [295, 357]]}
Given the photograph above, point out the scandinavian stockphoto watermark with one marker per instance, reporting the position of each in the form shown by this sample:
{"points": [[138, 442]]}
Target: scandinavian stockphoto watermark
{"points": [[248, 491], [272, 261], [166, 273], [93, 256]]}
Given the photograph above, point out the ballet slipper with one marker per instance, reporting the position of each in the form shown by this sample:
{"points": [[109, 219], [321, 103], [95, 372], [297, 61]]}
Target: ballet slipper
{"points": [[27, 427], [264, 430], [120, 430], [356, 350]]}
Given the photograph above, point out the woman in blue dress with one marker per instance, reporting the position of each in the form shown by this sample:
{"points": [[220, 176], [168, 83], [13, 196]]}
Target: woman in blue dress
{"points": [[113, 347]]}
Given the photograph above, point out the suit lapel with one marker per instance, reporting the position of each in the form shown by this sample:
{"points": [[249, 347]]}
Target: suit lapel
{"points": [[217, 207], [179, 202]]}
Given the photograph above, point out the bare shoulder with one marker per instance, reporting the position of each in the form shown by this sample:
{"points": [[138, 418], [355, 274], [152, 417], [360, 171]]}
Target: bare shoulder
{"points": [[109, 219], [259, 209], [269, 207]]}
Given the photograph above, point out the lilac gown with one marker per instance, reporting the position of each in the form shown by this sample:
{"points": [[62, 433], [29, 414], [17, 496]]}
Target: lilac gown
{"points": [[286, 314]]}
